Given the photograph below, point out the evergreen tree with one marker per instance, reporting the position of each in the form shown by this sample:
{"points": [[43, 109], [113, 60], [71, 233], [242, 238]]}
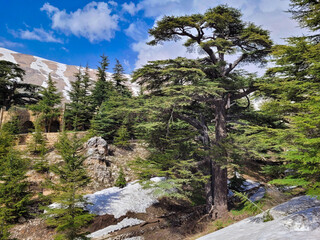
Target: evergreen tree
{"points": [[293, 93], [121, 180], [48, 106], [12, 89], [14, 195], [122, 137], [70, 216], [307, 13], [112, 115], [202, 91], [175, 154], [79, 111], [119, 80], [12, 126], [38, 141], [103, 88]]}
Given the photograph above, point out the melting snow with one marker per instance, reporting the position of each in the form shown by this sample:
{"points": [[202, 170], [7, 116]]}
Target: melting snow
{"points": [[43, 68], [60, 72], [118, 201], [7, 55], [127, 222]]}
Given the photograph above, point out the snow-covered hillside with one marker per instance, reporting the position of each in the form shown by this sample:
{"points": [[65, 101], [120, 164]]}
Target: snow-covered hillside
{"points": [[37, 70]]}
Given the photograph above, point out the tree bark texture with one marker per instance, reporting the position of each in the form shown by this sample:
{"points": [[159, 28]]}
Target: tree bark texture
{"points": [[220, 200]]}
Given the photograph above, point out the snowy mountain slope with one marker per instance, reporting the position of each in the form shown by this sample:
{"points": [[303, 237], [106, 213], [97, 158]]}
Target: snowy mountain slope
{"points": [[37, 70]]}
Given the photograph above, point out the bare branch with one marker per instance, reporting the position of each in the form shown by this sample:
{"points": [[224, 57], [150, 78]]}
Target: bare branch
{"points": [[244, 93], [234, 64]]}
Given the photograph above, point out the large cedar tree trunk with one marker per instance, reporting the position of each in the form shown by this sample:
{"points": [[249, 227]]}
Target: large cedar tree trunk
{"points": [[219, 170]]}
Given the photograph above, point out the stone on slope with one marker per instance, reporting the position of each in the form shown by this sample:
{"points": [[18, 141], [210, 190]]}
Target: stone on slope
{"points": [[305, 220], [296, 219], [258, 195]]}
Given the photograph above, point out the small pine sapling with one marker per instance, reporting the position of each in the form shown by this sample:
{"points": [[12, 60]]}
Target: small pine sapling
{"points": [[121, 180], [70, 216]]}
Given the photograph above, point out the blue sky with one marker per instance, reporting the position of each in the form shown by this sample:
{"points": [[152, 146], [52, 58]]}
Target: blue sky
{"points": [[77, 32]]}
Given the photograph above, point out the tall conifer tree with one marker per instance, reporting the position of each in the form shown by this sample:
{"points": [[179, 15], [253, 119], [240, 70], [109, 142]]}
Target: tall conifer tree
{"points": [[80, 109], [293, 93], [70, 216], [13, 91], [119, 79], [103, 88], [14, 194], [48, 106], [202, 91]]}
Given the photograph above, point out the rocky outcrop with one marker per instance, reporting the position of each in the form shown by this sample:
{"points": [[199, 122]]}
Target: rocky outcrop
{"points": [[97, 148], [296, 219], [97, 164], [104, 162]]}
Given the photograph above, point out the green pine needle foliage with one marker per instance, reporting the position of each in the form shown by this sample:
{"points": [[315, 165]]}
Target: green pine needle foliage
{"points": [[121, 180], [70, 216], [14, 194], [122, 137]]}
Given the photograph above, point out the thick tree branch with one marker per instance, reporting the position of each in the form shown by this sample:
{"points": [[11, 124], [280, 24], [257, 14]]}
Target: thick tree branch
{"points": [[207, 49], [211, 54], [234, 64], [244, 93], [192, 121]]}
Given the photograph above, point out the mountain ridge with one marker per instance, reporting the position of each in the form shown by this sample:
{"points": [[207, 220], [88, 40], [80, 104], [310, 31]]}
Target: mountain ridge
{"points": [[37, 70]]}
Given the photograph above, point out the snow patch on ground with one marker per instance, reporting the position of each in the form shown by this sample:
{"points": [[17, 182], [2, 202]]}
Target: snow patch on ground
{"points": [[118, 201], [7, 55], [135, 238], [43, 68], [127, 222], [60, 72]]}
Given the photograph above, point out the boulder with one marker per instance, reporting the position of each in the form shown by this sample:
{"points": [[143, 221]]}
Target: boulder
{"points": [[305, 220], [97, 148], [295, 205], [258, 195], [296, 219], [96, 162]]}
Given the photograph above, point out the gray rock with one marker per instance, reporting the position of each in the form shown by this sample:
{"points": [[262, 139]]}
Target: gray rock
{"points": [[258, 195], [22, 220], [305, 220], [90, 151], [101, 149], [97, 148], [101, 142], [249, 185], [296, 204], [296, 219], [95, 142]]}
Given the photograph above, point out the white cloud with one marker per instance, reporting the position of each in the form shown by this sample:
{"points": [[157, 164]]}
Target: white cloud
{"points": [[273, 5], [38, 34], [94, 22], [279, 24], [137, 30], [65, 49], [156, 8], [113, 3], [131, 8], [8, 44], [160, 52]]}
